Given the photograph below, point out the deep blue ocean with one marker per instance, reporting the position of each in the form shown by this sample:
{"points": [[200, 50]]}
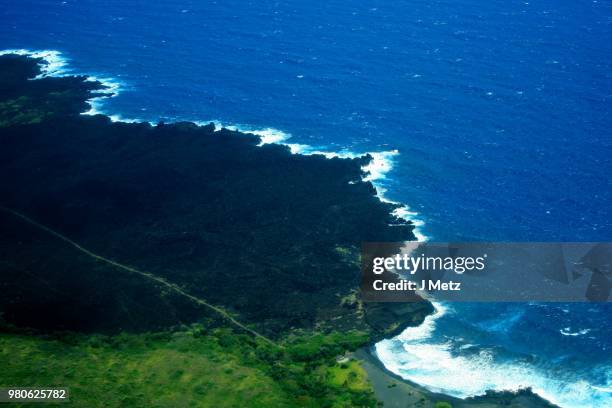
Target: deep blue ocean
{"points": [[501, 112]]}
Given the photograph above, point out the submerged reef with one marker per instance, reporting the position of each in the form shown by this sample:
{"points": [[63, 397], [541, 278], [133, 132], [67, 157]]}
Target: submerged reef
{"points": [[269, 236]]}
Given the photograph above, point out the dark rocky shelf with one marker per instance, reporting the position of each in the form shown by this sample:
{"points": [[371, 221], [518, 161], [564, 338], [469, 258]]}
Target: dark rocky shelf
{"points": [[271, 236]]}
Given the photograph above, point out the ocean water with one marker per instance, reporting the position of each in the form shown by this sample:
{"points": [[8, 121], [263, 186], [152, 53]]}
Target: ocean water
{"points": [[561, 351], [492, 120]]}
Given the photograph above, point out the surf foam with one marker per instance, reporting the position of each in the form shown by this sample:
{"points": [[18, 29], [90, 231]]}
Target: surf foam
{"points": [[377, 169], [413, 356], [54, 64]]}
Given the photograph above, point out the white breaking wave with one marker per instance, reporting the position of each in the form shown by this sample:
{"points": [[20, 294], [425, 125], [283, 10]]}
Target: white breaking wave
{"points": [[602, 389], [434, 366], [567, 332]]}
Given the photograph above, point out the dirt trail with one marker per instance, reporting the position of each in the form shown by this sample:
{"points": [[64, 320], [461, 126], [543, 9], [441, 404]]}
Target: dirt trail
{"points": [[172, 286]]}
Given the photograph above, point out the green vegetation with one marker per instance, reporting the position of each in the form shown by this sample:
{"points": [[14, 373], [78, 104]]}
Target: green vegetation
{"points": [[349, 375], [193, 367], [20, 111], [443, 404], [321, 346]]}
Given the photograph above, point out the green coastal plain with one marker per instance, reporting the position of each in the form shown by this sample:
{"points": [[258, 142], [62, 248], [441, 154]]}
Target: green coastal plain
{"points": [[190, 367]]}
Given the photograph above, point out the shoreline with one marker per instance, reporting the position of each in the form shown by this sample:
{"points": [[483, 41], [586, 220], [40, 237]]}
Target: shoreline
{"points": [[191, 163], [397, 392], [393, 390], [367, 178], [54, 64]]}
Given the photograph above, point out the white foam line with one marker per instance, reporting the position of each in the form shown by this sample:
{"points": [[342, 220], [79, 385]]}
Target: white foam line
{"points": [[567, 332], [377, 169], [56, 65], [412, 356]]}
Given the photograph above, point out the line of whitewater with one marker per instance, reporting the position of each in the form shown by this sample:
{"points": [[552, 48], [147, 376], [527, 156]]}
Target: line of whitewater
{"points": [[376, 170], [158, 279], [54, 64]]}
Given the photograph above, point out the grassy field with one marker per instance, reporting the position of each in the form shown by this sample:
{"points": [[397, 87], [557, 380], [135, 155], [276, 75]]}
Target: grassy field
{"points": [[350, 375], [189, 368]]}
